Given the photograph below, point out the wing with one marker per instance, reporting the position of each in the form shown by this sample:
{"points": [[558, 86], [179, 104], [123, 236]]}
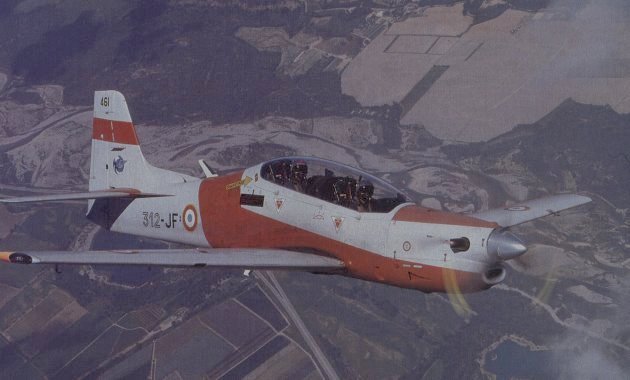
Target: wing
{"points": [[100, 194], [530, 210], [212, 257]]}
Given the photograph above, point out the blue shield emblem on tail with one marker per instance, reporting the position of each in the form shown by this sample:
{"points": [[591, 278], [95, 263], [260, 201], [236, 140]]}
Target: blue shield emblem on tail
{"points": [[119, 165]]}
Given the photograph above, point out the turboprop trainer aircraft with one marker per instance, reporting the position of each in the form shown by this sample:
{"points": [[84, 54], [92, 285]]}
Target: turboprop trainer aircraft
{"points": [[291, 213]]}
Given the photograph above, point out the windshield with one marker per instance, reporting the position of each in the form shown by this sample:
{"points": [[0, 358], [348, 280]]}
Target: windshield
{"points": [[333, 182]]}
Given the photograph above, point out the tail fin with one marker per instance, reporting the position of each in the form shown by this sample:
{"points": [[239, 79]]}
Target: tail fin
{"points": [[117, 161]]}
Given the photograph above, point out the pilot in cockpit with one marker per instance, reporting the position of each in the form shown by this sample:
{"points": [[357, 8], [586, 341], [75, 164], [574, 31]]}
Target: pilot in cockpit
{"points": [[279, 172]]}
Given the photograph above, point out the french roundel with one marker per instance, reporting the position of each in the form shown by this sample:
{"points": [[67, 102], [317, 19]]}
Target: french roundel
{"points": [[190, 218], [517, 208]]}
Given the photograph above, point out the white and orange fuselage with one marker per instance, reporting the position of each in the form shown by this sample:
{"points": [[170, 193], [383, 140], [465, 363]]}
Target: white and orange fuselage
{"points": [[408, 246]]}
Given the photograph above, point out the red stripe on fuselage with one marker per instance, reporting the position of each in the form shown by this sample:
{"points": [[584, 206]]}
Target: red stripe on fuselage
{"points": [[121, 132], [227, 225]]}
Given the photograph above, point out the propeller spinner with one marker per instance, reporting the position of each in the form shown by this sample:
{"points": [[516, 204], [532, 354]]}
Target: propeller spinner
{"points": [[504, 245]]}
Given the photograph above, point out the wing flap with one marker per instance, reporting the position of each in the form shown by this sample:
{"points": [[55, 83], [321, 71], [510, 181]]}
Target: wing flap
{"points": [[530, 210], [100, 194], [212, 257]]}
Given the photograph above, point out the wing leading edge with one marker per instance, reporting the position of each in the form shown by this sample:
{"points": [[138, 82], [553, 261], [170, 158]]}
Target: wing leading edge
{"points": [[99, 194], [212, 257], [530, 210]]}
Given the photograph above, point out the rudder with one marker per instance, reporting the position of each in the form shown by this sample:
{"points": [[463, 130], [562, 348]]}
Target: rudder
{"points": [[116, 157]]}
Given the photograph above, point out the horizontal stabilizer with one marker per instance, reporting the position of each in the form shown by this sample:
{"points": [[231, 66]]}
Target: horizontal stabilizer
{"points": [[100, 194], [211, 257], [530, 210]]}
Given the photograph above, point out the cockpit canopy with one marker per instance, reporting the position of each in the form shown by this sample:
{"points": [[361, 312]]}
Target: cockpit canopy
{"points": [[333, 182]]}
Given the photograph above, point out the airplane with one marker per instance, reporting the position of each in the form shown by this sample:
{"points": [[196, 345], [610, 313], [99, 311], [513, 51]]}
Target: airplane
{"points": [[290, 213]]}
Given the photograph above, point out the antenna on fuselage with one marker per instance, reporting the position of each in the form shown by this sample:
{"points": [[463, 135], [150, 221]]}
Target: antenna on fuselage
{"points": [[206, 169]]}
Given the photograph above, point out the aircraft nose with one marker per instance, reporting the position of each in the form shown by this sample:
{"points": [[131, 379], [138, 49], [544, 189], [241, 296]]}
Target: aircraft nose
{"points": [[504, 245]]}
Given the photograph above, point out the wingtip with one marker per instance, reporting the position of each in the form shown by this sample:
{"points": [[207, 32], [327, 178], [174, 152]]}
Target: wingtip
{"points": [[578, 198], [4, 256]]}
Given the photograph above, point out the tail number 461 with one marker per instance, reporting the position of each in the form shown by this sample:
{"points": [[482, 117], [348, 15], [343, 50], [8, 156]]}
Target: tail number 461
{"points": [[105, 101]]}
